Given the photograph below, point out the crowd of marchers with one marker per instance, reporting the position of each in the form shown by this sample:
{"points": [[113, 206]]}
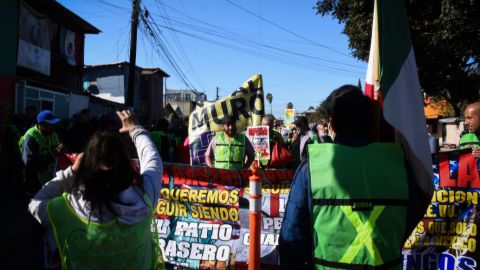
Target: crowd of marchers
{"points": [[334, 195]]}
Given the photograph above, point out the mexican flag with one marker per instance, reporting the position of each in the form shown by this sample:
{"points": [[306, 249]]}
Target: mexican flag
{"points": [[392, 80]]}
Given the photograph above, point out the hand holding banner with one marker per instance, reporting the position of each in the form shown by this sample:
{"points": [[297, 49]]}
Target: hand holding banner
{"points": [[259, 137], [245, 106]]}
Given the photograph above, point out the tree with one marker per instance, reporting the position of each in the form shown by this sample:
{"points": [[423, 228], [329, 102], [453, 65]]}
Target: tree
{"points": [[445, 38], [320, 112], [269, 99], [289, 105]]}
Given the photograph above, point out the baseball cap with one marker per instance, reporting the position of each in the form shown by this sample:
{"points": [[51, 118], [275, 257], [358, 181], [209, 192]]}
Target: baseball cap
{"points": [[47, 117], [301, 120]]}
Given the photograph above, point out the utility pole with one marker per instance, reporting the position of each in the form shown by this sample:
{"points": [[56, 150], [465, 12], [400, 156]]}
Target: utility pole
{"points": [[133, 53], [217, 94]]}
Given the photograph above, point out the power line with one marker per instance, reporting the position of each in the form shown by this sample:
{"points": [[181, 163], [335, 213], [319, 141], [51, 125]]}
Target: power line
{"points": [[286, 30], [261, 47], [178, 46], [308, 41], [125, 9], [154, 32], [218, 32]]}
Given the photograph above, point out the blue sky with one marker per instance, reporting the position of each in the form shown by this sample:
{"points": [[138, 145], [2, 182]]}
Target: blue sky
{"points": [[221, 43]]}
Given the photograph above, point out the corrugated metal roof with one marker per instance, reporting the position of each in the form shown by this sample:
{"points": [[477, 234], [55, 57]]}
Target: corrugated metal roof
{"points": [[148, 71], [124, 63]]}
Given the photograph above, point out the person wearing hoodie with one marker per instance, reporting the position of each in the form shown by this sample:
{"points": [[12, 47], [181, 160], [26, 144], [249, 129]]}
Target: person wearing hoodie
{"points": [[101, 208]]}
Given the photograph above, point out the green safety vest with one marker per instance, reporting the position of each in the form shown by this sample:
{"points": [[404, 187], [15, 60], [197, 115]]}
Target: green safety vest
{"points": [[359, 198], [315, 138], [156, 137], [229, 154], [46, 148], [84, 244], [469, 140]]}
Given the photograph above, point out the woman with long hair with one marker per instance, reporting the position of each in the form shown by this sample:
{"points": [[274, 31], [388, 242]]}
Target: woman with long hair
{"points": [[101, 207]]}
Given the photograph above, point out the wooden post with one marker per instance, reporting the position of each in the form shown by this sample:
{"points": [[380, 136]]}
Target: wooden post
{"points": [[133, 54]]}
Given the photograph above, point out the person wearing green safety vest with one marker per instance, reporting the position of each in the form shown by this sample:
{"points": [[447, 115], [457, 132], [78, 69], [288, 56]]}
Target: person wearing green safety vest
{"points": [[161, 139], [101, 208], [470, 139], [39, 147], [352, 203], [229, 149]]}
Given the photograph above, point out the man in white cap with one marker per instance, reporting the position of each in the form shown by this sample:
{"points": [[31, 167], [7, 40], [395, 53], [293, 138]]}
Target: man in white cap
{"points": [[39, 148]]}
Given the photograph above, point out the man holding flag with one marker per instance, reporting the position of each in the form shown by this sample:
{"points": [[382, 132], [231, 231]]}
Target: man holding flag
{"points": [[353, 203]]}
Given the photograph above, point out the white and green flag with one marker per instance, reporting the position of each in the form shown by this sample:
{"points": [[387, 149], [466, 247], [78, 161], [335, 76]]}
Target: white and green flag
{"points": [[392, 79]]}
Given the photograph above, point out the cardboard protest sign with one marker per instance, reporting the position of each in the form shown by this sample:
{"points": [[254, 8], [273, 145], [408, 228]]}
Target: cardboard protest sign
{"points": [[203, 216], [447, 236], [259, 137], [245, 106]]}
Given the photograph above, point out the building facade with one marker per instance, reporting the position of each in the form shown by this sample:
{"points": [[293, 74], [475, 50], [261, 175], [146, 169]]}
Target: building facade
{"points": [[42, 52], [184, 100], [110, 82]]}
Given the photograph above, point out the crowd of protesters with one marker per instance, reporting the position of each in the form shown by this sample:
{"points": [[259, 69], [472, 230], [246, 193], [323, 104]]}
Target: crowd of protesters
{"points": [[70, 136], [102, 187]]}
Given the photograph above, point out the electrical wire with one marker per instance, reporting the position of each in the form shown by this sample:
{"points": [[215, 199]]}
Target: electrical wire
{"points": [[285, 29], [236, 40], [224, 31], [183, 59], [153, 31], [240, 38]]}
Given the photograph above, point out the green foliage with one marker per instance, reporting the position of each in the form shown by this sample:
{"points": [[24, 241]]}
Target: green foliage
{"points": [[445, 36], [320, 112]]}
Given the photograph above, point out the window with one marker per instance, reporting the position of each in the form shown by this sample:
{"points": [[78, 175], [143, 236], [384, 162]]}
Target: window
{"points": [[188, 97], [42, 99]]}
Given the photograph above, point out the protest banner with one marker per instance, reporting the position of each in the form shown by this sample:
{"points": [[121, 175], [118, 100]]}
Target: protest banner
{"points": [[245, 106], [259, 137], [203, 216], [447, 236], [289, 116]]}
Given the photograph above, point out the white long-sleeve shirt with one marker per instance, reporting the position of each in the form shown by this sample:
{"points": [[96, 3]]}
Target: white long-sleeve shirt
{"points": [[131, 206]]}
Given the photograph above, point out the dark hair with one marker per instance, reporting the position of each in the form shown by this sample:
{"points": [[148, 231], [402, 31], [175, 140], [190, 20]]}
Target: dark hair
{"points": [[269, 117], [227, 119], [301, 120], [105, 170], [350, 110]]}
